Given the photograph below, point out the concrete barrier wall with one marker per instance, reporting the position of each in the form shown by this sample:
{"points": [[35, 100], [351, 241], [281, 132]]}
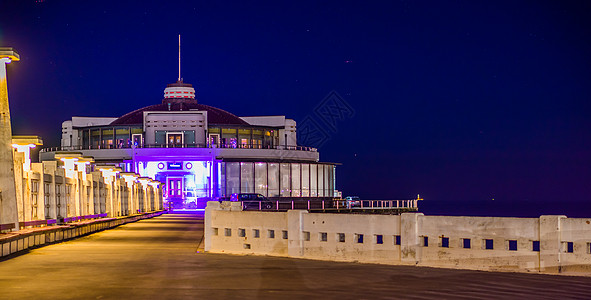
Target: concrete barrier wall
{"points": [[575, 231], [481, 243]]}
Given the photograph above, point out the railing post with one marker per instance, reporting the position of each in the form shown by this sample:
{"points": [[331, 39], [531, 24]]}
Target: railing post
{"points": [[277, 205], [291, 204], [308, 204], [260, 205], [322, 204]]}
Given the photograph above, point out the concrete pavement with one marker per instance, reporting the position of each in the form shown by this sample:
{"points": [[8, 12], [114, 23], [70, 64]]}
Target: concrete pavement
{"points": [[158, 259]]}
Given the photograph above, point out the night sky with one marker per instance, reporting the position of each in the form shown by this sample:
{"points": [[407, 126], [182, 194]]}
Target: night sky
{"points": [[461, 101]]}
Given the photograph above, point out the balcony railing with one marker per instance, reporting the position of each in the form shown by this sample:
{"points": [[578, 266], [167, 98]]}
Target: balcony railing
{"points": [[331, 205], [194, 145]]}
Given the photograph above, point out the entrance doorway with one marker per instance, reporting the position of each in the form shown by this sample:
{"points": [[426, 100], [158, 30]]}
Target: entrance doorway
{"points": [[137, 140], [214, 140], [175, 187], [175, 191], [174, 139]]}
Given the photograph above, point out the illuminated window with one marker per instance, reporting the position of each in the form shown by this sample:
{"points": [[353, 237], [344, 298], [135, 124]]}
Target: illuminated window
{"points": [[340, 237], [271, 233], [284, 232], [323, 236], [68, 198], [306, 235], [34, 197], [241, 232], [58, 199]]}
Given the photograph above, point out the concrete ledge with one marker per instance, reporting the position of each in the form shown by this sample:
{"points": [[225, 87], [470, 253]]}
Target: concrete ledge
{"points": [[22, 240], [548, 244]]}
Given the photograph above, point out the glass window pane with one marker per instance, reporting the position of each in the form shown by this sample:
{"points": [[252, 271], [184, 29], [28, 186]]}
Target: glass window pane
{"points": [[313, 180], [295, 180], [285, 180], [330, 170], [305, 180], [327, 181], [320, 180], [232, 178], [223, 179], [273, 180], [247, 180], [260, 179]]}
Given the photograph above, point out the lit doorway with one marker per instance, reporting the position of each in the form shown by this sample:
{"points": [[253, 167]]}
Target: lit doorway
{"points": [[175, 191], [214, 140], [137, 140], [174, 139]]}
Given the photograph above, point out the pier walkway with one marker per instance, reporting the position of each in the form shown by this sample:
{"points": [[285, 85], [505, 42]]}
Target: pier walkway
{"points": [[158, 259]]}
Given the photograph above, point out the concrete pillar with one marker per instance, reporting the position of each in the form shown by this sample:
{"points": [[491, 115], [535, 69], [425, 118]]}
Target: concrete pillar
{"points": [[550, 239], [295, 228], [410, 247], [209, 211], [20, 185], [8, 202]]}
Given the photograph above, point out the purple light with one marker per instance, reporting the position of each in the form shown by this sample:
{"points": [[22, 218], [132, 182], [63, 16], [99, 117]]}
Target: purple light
{"points": [[189, 166], [161, 166]]}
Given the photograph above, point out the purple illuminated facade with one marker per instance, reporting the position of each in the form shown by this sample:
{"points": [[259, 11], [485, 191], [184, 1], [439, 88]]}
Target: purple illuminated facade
{"points": [[202, 152]]}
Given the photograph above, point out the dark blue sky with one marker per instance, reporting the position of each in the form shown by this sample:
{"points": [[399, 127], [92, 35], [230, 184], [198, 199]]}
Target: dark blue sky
{"points": [[456, 100]]}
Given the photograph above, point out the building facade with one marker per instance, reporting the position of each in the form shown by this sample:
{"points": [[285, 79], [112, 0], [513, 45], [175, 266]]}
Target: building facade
{"points": [[201, 152], [73, 188]]}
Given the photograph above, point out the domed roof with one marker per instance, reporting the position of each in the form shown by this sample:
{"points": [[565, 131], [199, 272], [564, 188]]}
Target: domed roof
{"points": [[214, 115]]}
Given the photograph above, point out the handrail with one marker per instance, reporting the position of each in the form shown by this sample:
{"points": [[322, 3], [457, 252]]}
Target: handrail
{"points": [[8, 226], [267, 205], [192, 145]]}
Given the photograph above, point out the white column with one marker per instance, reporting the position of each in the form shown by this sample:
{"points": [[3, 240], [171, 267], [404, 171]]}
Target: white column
{"points": [[8, 202]]}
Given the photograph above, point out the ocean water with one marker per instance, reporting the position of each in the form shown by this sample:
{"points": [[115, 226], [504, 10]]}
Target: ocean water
{"points": [[505, 209]]}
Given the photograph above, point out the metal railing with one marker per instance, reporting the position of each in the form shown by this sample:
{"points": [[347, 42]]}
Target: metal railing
{"points": [[193, 145], [330, 205], [48, 222]]}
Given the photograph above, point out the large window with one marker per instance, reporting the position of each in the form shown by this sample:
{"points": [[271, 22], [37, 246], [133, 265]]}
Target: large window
{"points": [[285, 181], [321, 181], [260, 178], [277, 179], [47, 199], [296, 187], [232, 178], [273, 180], [305, 180], [34, 198], [247, 177], [313, 180]]}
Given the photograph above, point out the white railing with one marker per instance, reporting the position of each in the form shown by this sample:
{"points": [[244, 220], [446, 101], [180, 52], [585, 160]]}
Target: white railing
{"points": [[330, 205]]}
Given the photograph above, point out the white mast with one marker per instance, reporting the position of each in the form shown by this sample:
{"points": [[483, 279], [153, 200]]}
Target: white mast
{"points": [[179, 57]]}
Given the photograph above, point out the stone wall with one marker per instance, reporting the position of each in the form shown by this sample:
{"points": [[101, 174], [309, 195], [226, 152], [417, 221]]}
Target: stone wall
{"points": [[548, 244]]}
